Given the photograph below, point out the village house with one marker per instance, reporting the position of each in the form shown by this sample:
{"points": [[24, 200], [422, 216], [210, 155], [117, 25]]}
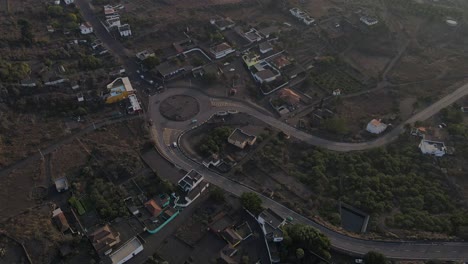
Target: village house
{"points": [[61, 184], [125, 30], [222, 23], [127, 251], [153, 208], [60, 220], [221, 50], [301, 15], [171, 69], [369, 21], [265, 47], [290, 97], [250, 59], [68, 2], [118, 90], [103, 239], [252, 35], [112, 21], [190, 180], [241, 139], [134, 107], [464, 109], [86, 28], [28, 83], [376, 126], [142, 55], [435, 148]]}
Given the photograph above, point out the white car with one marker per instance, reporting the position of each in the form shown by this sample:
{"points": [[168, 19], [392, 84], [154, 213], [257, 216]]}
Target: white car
{"points": [[358, 261], [232, 69], [174, 144]]}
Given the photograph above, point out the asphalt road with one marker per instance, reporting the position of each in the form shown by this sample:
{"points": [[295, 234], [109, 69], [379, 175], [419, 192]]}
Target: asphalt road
{"points": [[392, 249]]}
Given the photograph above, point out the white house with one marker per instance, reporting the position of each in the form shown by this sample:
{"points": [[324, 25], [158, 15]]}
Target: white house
{"points": [[190, 180], [86, 28], [301, 15], [435, 148], [126, 251], [67, 2], [57, 2], [113, 21], [221, 50], [369, 21], [125, 30], [376, 127]]}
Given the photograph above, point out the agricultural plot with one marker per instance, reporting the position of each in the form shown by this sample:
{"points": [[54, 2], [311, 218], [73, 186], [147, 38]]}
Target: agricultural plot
{"points": [[337, 79]]}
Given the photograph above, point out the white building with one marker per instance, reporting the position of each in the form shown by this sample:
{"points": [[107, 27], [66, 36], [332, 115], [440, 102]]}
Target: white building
{"points": [[86, 28], [67, 2], [125, 30], [126, 251], [376, 127], [113, 21], [221, 50], [135, 106], [190, 180], [435, 148], [369, 21], [301, 15], [57, 2]]}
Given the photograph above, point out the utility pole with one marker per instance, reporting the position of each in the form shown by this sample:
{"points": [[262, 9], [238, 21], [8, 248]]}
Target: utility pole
{"points": [[42, 155]]}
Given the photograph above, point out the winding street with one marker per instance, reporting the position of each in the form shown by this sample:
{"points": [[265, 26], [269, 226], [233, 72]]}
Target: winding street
{"points": [[393, 249]]}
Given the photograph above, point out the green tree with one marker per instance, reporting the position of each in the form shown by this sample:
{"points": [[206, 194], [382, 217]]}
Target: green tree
{"points": [[150, 62], [300, 253], [252, 202], [55, 11], [307, 238], [373, 257], [89, 62], [217, 195]]}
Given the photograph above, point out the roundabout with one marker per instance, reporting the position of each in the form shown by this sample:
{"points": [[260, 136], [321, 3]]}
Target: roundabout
{"points": [[179, 107]]}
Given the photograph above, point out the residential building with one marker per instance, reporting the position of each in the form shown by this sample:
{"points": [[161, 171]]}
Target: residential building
{"points": [[271, 224], [142, 55], [302, 16], [241, 139], [266, 75], [135, 106], [250, 59], [60, 220], [112, 21], [252, 35], [127, 251], [61, 184], [280, 61], [265, 47], [103, 239], [170, 69], [57, 2], [376, 126], [28, 83], [435, 148], [153, 208], [118, 90], [125, 30], [86, 28], [464, 109], [50, 29], [68, 2], [222, 23], [231, 236], [190, 180], [109, 10], [369, 21], [268, 31], [221, 50], [213, 160], [194, 193], [289, 97]]}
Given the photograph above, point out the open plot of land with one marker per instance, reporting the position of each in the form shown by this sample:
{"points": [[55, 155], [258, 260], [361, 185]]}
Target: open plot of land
{"points": [[337, 79], [358, 111]]}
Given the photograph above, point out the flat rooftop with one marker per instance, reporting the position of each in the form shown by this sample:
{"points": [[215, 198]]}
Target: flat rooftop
{"points": [[126, 249]]}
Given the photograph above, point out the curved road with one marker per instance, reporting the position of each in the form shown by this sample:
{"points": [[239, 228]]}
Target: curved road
{"points": [[392, 249], [355, 246]]}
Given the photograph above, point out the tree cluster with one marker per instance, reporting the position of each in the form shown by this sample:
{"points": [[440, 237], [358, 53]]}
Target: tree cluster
{"points": [[252, 202], [300, 238], [376, 181], [214, 141]]}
